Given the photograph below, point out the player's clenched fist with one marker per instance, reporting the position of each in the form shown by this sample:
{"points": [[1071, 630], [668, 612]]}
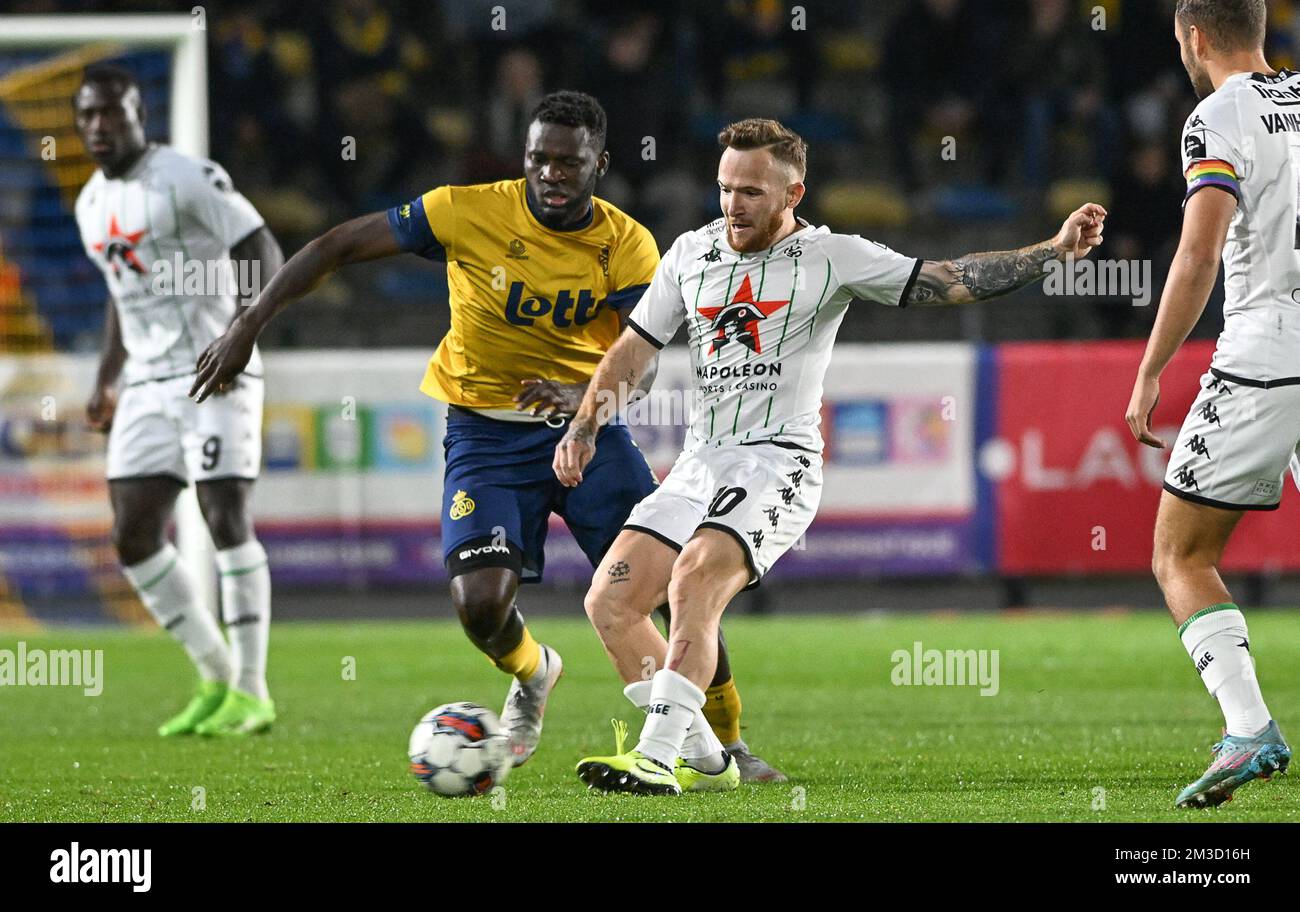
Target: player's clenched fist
{"points": [[100, 408], [223, 361], [1081, 231], [574, 451]]}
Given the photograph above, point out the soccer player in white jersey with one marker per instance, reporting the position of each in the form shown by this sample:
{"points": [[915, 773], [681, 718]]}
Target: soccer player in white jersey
{"points": [[762, 294], [1241, 157], [177, 245]]}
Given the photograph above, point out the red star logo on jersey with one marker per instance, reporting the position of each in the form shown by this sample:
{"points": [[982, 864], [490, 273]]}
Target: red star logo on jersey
{"points": [[738, 321], [119, 248]]}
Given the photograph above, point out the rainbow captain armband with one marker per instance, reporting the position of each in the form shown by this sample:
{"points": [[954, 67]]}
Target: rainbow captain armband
{"points": [[1212, 172]]}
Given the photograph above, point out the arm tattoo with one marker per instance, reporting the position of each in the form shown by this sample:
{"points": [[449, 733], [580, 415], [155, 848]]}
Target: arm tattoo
{"points": [[581, 432], [977, 276]]}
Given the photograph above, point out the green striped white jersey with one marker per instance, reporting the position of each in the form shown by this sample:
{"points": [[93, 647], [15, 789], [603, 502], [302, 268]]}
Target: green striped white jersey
{"points": [[761, 325], [161, 235]]}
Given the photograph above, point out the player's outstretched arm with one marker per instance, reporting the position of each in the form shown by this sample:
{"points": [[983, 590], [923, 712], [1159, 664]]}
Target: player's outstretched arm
{"points": [[978, 276], [618, 373], [355, 241], [103, 399], [1187, 290]]}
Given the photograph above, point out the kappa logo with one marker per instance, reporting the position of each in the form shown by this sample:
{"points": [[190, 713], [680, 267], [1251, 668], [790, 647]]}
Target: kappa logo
{"points": [[217, 180], [1186, 477], [738, 321], [462, 505], [1220, 385]]}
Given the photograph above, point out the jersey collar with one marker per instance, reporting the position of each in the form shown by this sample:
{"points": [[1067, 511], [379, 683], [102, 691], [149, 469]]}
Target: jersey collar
{"points": [[803, 231]]}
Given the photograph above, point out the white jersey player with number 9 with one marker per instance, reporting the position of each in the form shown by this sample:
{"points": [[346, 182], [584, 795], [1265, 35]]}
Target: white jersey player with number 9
{"points": [[761, 294], [179, 248]]}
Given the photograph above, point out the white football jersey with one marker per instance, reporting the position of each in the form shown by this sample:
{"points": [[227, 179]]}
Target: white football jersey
{"points": [[168, 211], [761, 325], [1245, 139]]}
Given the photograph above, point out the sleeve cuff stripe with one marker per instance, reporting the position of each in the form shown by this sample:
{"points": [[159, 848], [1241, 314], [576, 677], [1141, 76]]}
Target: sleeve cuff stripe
{"points": [[625, 296], [632, 324], [911, 280]]}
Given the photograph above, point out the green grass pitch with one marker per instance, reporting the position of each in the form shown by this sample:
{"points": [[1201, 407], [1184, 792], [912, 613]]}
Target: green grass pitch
{"points": [[1086, 703]]}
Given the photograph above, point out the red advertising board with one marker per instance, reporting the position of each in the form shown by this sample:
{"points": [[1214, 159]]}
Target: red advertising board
{"points": [[1074, 492]]}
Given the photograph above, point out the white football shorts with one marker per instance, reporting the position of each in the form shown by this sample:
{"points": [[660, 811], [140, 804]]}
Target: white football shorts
{"points": [[158, 430], [1236, 444], [765, 495]]}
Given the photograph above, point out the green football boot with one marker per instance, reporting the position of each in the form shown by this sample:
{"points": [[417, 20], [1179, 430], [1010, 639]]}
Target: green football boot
{"points": [[208, 697], [630, 771], [240, 714], [693, 780]]}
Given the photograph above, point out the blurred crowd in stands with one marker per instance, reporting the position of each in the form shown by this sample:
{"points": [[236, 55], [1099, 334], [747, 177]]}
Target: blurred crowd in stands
{"points": [[936, 126]]}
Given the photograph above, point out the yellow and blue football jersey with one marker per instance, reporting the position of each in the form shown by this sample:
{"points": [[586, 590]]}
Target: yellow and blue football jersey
{"points": [[526, 300]]}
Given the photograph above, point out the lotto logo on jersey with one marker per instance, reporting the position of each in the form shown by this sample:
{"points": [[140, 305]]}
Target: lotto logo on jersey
{"points": [[564, 311]]}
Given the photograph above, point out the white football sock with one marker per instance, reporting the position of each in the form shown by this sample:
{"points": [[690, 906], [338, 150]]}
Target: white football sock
{"points": [[1217, 641], [246, 608], [165, 589], [674, 704], [701, 747]]}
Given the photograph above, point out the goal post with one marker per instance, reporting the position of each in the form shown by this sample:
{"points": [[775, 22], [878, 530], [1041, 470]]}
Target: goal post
{"points": [[184, 35], [74, 41]]}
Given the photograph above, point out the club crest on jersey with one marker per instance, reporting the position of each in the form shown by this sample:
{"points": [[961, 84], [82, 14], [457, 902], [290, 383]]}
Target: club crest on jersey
{"points": [[462, 505], [738, 321], [118, 248]]}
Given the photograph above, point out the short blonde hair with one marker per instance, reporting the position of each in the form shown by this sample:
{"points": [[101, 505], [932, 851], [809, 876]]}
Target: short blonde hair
{"points": [[785, 145]]}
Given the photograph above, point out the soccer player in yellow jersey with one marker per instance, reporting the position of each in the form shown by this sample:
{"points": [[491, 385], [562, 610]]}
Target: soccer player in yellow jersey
{"points": [[542, 275]]}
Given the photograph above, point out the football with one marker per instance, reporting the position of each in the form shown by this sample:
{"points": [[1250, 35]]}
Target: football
{"points": [[459, 749]]}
